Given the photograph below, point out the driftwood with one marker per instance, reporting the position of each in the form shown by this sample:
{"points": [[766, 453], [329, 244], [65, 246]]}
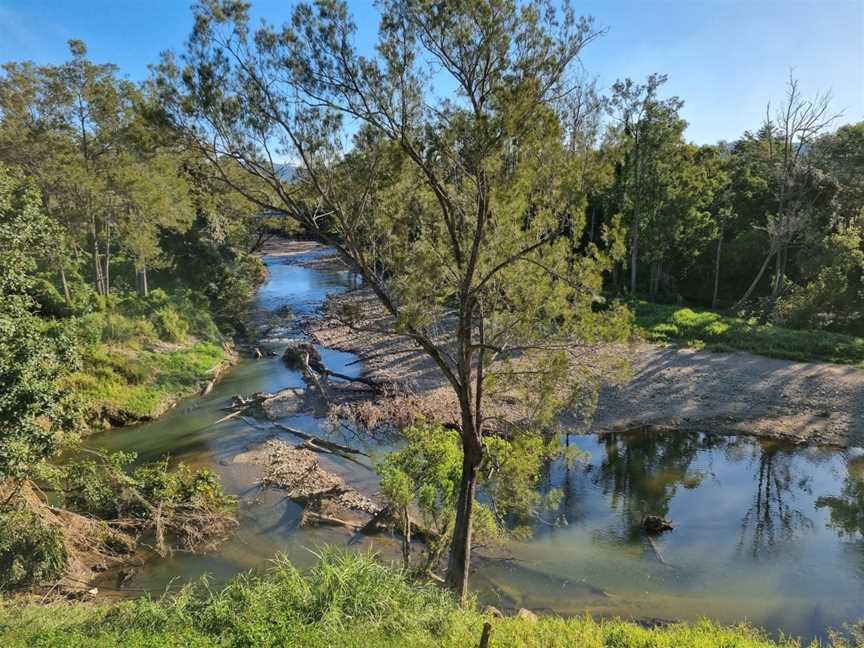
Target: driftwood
{"points": [[656, 550], [318, 441], [326, 519], [230, 416], [241, 404], [300, 355], [656, 524], [305, 357]]}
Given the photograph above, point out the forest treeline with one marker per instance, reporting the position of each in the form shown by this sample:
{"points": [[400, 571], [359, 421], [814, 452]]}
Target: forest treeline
{"points": [[768, 225], [133, 245]]}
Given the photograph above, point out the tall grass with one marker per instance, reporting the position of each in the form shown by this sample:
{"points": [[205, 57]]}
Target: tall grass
{"points": [[347, 599], [706, 329], [129, 383]]}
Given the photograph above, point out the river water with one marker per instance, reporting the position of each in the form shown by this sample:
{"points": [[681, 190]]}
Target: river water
{"points": [[763, 532]]}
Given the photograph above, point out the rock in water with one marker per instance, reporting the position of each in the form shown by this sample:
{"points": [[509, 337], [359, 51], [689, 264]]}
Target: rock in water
{"points": [[656, 524], [296, 354]]}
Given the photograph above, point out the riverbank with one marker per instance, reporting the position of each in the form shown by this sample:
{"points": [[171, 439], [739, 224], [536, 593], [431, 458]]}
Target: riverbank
{"points": [[719, 561], [344, 600], [670, 387]]}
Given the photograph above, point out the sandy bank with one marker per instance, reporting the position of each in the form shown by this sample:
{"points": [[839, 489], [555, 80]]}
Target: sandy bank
{"points": [[733, 393]]}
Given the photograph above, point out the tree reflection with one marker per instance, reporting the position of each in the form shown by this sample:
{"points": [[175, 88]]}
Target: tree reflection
{"points": [[642, 471], [771, 520], [846, 510]]}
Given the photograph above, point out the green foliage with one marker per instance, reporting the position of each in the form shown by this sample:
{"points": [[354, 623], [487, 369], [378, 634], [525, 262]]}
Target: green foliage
{"points": [[170, 325], [344, 600], [101, 486], [834, 296], [424, 476], [662, 323], [31, 551], [426, 472], [34, 410], [135, 384], [161, 484]]}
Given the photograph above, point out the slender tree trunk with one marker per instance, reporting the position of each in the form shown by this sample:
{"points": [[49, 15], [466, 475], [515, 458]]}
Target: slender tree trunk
{"points": [[779, 271], [107, 277], [406, 539], [654, 282], [717, 269], [757, 279], [97, 263], [62, 271], [460, 550], [634, 235], [144, 278]]}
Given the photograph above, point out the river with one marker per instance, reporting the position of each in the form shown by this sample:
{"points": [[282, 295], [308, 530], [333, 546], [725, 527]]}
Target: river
{"points": [[764, 532]]}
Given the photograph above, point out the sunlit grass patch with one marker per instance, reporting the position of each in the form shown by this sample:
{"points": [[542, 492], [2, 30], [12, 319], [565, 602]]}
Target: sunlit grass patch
{"points": [[130, 383], [662, 323]]}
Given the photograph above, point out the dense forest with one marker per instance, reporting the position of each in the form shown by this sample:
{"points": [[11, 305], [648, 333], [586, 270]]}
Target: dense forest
{"points": [[530, 210]]}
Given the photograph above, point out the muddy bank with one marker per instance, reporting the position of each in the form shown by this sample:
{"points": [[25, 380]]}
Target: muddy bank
{"points": [[732, 393]]}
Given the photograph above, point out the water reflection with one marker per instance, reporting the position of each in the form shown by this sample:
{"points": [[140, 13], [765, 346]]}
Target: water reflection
{"points": [[762, 532], [772, 522], [642, 471], [846, 510]]}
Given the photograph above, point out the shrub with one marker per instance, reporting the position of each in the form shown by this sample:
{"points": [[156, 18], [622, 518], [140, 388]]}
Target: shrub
{"points": [[89, 328], [30, 549], [169, 324]]}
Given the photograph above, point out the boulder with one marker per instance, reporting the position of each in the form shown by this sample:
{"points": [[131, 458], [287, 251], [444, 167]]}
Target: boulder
{"points": [[656, 524], [526, 615]]}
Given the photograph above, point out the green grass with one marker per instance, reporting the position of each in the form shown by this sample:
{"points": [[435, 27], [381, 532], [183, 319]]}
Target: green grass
{"points": [[706, 329], [125, 382], [345, 600]]}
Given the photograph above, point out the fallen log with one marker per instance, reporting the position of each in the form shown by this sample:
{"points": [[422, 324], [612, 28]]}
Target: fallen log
{"points": [[326, 519], [230, 416], [324, 443], [304, 356], [359, 379]]}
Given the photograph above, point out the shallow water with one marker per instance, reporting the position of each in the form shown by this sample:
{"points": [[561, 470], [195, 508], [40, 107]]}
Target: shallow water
{"points": [[763, 532]]}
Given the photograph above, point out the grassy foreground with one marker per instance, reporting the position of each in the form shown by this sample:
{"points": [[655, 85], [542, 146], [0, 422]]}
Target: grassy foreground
{"points": [[706, 329], [345, 600]]}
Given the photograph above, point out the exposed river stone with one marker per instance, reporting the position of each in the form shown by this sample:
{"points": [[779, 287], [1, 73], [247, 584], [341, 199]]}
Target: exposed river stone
{"points": [[293, 400]]}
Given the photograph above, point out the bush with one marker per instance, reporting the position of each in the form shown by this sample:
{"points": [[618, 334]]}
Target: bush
{"points": [[30, 550], [170, 326]]}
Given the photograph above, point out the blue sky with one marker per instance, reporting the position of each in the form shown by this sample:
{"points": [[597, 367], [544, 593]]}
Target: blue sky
{"points": [[725, 58]]}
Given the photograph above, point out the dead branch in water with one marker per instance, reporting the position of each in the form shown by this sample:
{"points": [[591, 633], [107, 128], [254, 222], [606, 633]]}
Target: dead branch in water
{"points": [[656, 550], [327, 519], [324, 443]]}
